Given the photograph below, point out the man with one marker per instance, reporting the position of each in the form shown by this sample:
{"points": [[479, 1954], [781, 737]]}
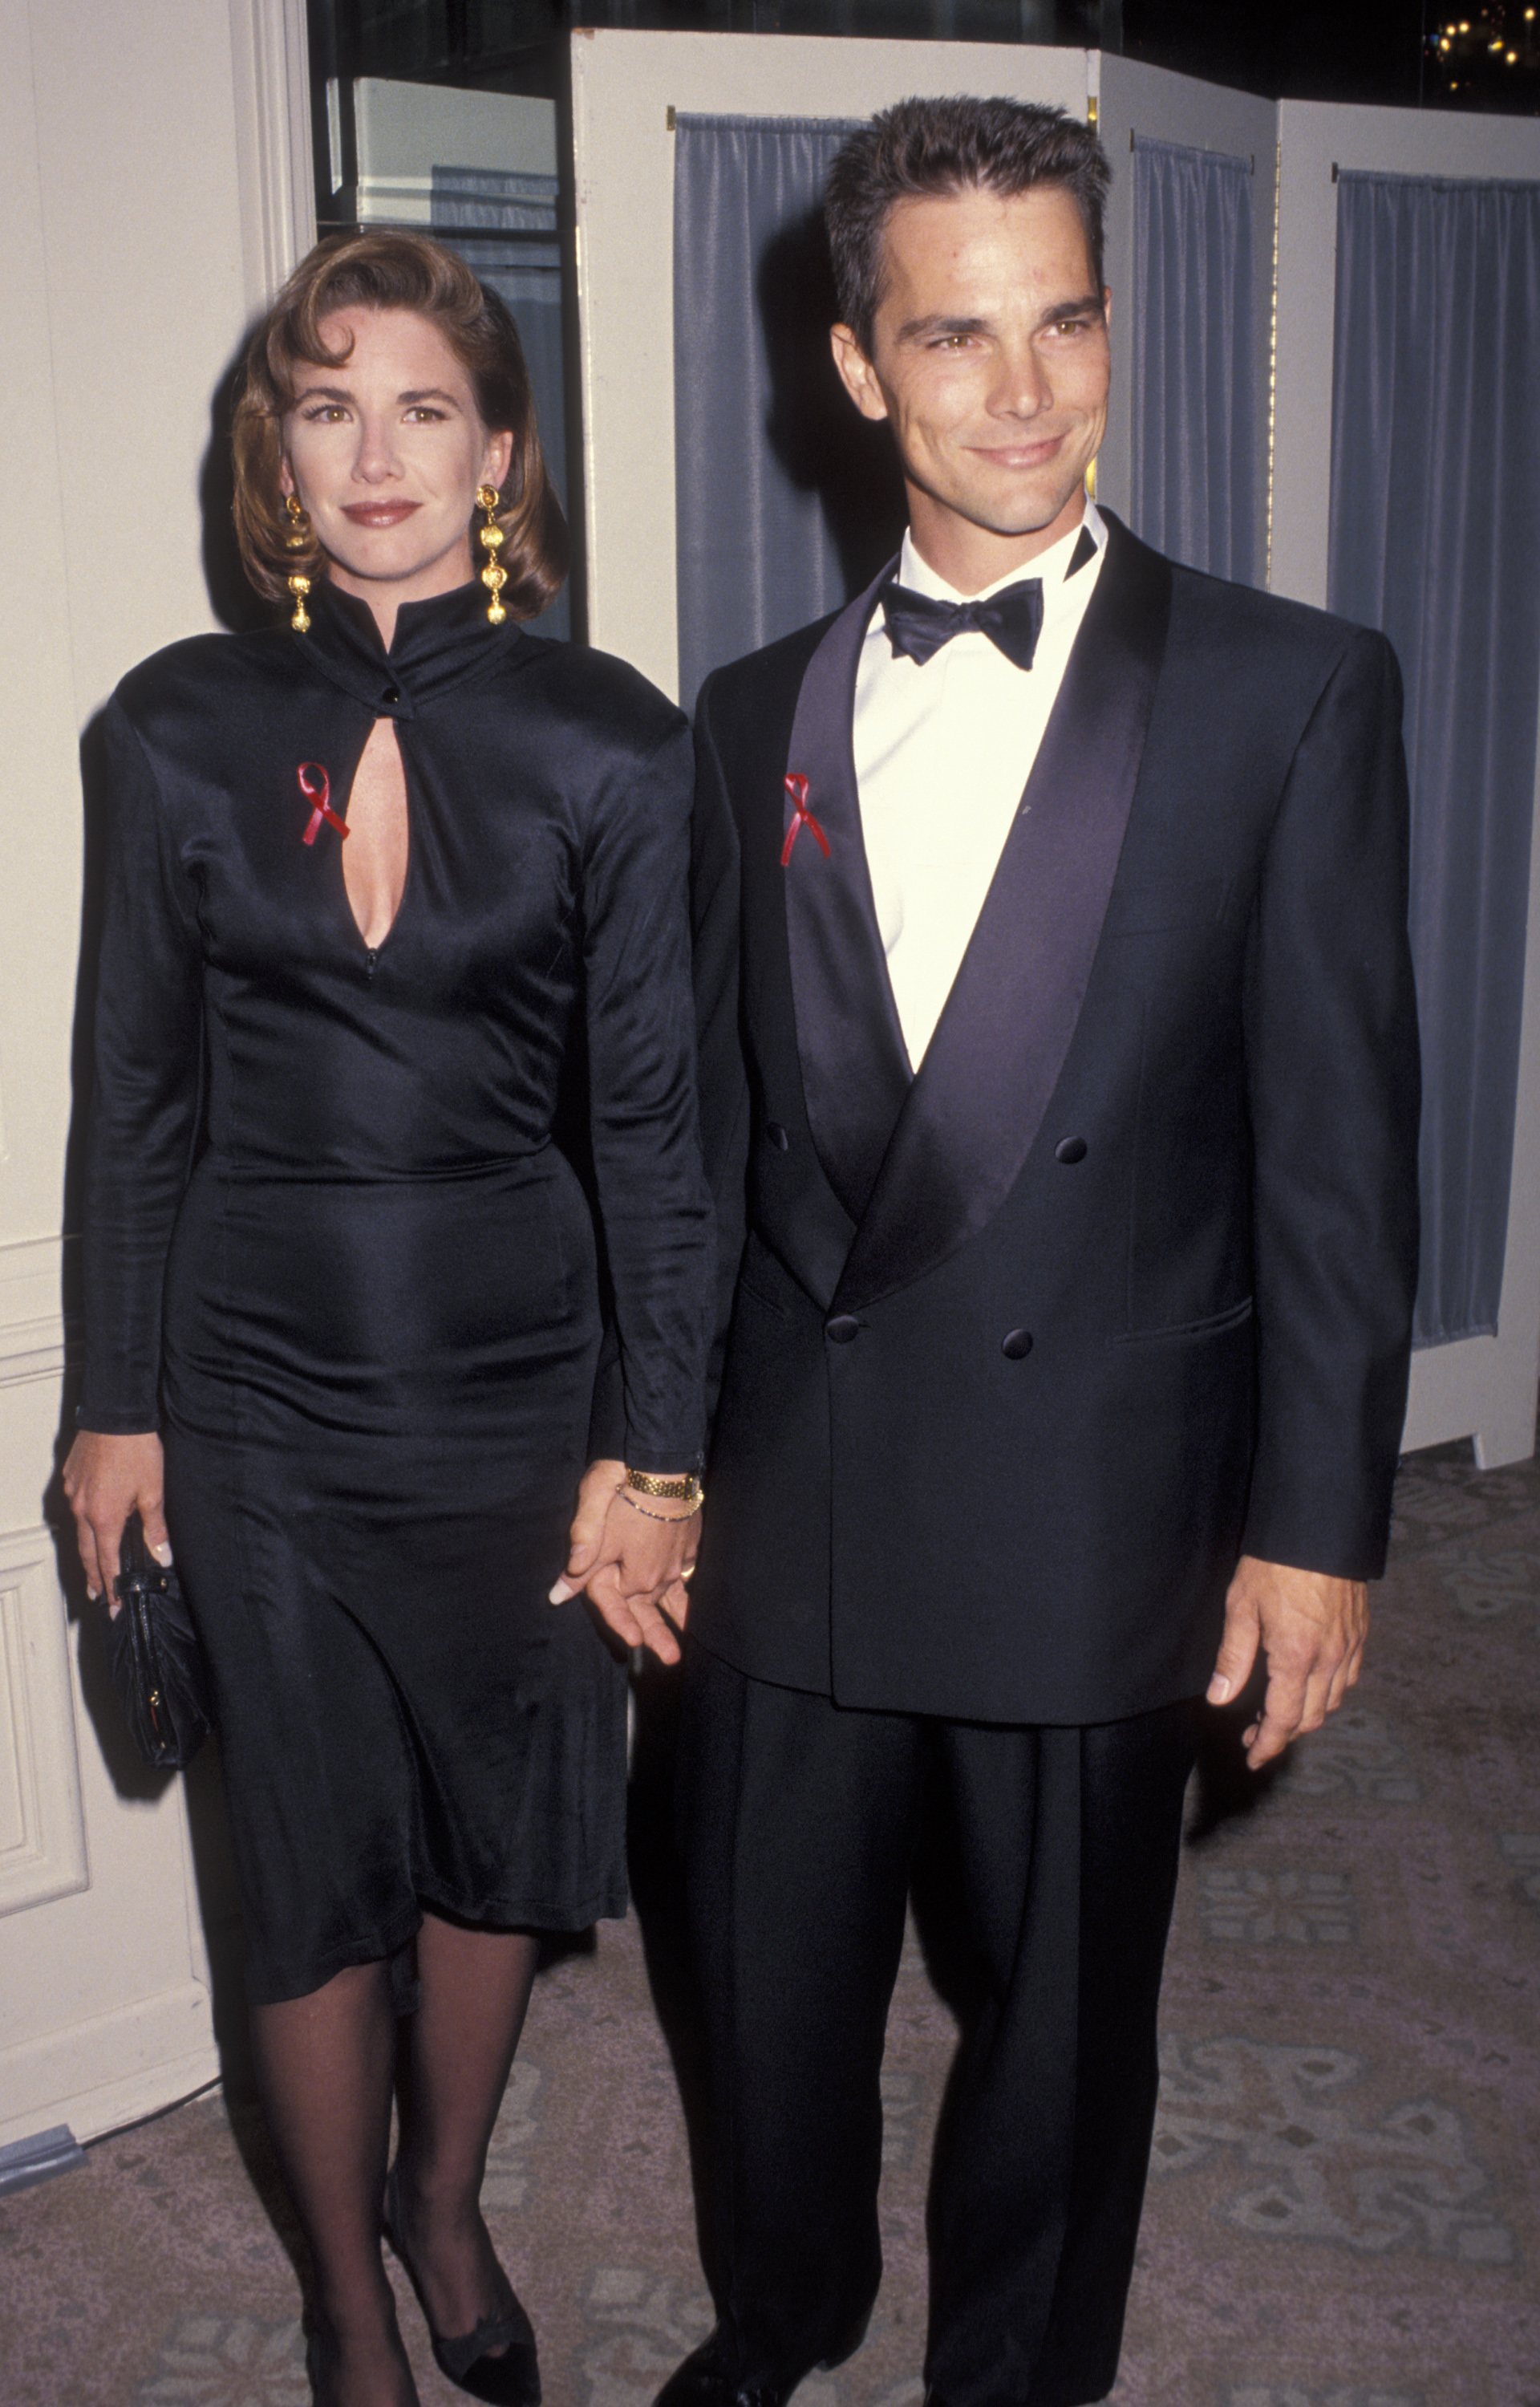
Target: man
{"points": [[1059, 1048]]}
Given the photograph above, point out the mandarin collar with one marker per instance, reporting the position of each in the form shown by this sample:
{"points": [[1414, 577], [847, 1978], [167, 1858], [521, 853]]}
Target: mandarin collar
{"points": [[439, 644]]}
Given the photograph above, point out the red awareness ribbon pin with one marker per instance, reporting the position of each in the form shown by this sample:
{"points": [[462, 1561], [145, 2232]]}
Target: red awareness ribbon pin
{"points": [[801, 818], [308, 773]]}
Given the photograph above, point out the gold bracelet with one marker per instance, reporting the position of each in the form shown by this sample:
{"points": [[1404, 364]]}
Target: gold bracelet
{"points": [[670, 1518], [687, 1490]]}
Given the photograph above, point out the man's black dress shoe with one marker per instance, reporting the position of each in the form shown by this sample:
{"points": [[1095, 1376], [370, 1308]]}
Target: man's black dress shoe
{"points": [[703, 2381], [706, 2378]]}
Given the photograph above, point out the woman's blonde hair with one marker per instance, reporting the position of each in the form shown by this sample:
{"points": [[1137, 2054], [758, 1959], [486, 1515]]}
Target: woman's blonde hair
{"points": [[388, 270]]}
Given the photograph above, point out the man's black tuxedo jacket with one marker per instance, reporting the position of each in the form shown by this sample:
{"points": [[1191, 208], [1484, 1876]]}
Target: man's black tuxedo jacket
{"points": [[1024, 1351]]}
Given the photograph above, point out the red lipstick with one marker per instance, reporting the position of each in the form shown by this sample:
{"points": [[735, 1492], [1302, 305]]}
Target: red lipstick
{"points": [[379, 514]]}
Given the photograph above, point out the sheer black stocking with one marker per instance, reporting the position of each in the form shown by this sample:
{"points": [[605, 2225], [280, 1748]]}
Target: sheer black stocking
{"points": [[324, 2066], [475, 1987]]}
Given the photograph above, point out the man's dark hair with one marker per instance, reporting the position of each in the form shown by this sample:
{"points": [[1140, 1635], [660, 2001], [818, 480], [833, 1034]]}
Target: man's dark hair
{"points": [[921, 148]]}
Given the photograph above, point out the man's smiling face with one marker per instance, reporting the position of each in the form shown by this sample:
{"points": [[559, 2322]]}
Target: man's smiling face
{"points": [[990, 360]]}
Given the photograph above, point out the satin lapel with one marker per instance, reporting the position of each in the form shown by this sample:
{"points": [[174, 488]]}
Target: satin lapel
{"points": [[978, 1103], [855, 1073]]}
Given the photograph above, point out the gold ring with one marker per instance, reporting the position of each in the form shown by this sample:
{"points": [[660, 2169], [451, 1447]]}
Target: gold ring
{"points": [[688, 1572]]}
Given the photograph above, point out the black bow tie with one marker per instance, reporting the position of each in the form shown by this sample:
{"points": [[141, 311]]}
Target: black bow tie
{"points": [[917, 626]]}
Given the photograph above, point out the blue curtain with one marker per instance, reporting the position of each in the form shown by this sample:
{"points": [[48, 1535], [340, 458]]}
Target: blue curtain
{"points": [[1436, 537], [1192, 390], [788, 502], [505, 227]]}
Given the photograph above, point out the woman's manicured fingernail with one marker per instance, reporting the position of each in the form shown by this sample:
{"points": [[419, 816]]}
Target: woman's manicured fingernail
{"points": [[162, 1553], [562, 1591]]}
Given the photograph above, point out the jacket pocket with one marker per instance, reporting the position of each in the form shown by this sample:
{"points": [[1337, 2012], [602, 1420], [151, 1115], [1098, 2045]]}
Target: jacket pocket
{"points": [[1213, 1324]]}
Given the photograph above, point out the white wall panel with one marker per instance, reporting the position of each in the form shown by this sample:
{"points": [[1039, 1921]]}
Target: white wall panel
{"points": [[1165, 107], [42, 1824], [153, 183]]}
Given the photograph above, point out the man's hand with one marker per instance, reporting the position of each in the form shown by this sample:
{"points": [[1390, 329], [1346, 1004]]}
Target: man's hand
{"points": [[633, 1563], [1312, 1628]]}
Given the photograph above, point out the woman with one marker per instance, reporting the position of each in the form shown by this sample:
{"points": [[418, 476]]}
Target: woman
{"points": [[382, 882]]}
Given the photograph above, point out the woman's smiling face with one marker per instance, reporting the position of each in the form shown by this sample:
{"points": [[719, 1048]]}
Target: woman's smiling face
{"points": [[385, 450]]}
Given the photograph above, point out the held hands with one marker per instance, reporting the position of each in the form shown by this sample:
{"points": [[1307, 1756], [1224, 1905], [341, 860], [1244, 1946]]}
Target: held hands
{"points": [[633, 1563], [107, 1478], [1312, 1628]]}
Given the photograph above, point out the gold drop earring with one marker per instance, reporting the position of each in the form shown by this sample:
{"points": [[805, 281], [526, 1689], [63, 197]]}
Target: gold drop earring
{"points": [[494, 575], [299, 539]]}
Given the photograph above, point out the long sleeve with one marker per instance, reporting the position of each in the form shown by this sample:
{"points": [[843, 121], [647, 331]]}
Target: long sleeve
{"points": [[1333, 1092], [652, 1201], [145, 1097], [715, 882]]}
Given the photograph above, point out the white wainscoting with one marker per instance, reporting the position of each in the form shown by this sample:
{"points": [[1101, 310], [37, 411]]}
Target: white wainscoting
{"points": [[42, 1823]]}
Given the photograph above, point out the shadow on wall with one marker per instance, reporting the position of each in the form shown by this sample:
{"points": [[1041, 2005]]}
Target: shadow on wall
{"points": [[232, 601], [823, 444]]}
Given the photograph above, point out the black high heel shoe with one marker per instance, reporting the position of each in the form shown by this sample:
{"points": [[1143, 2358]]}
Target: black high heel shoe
{"points": [[509, 2379]]}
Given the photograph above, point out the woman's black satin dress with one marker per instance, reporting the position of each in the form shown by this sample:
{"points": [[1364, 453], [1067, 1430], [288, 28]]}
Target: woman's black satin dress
{"points": [[336, 1253]]}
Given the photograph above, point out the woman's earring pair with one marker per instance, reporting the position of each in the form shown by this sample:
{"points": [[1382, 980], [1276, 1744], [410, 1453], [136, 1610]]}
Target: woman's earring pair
{"points": [[494, 575], [299, 539]]}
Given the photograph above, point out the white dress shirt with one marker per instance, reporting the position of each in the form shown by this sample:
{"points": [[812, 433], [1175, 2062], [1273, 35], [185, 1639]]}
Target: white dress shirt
{"points": [[943, 750]]}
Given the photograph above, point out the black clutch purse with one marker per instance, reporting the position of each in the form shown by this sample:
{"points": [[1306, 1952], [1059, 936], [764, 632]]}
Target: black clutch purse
{"points": [[157, 1664]]}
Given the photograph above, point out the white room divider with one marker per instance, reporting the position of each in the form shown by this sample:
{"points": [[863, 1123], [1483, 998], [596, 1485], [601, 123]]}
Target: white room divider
{"points": [[626, 89], [1482, 1388], [1151, 102]]}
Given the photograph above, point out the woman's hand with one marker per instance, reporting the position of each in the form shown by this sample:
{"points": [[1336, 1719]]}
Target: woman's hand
{"points": [[107, 1478], [633, 1563]]}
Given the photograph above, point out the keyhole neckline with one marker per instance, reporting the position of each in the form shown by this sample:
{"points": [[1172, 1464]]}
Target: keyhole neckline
{"points": [[359, 902]]}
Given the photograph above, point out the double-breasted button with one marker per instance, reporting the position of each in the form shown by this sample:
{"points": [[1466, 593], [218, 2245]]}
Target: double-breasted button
{"points": [[842, 1328], [1016, 1344], [1069, 1148], [777, 1135], [391, 694]]}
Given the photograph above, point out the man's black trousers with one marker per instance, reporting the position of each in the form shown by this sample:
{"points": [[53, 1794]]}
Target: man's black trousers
{"points": [[800, 1823]]}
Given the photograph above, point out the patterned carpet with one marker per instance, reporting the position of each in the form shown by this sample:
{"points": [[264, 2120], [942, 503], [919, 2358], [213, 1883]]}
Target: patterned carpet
{"points": [[1343, 2210]]}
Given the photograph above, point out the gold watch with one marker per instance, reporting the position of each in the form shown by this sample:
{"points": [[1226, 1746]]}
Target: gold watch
{"points": [[687, 1490]]}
